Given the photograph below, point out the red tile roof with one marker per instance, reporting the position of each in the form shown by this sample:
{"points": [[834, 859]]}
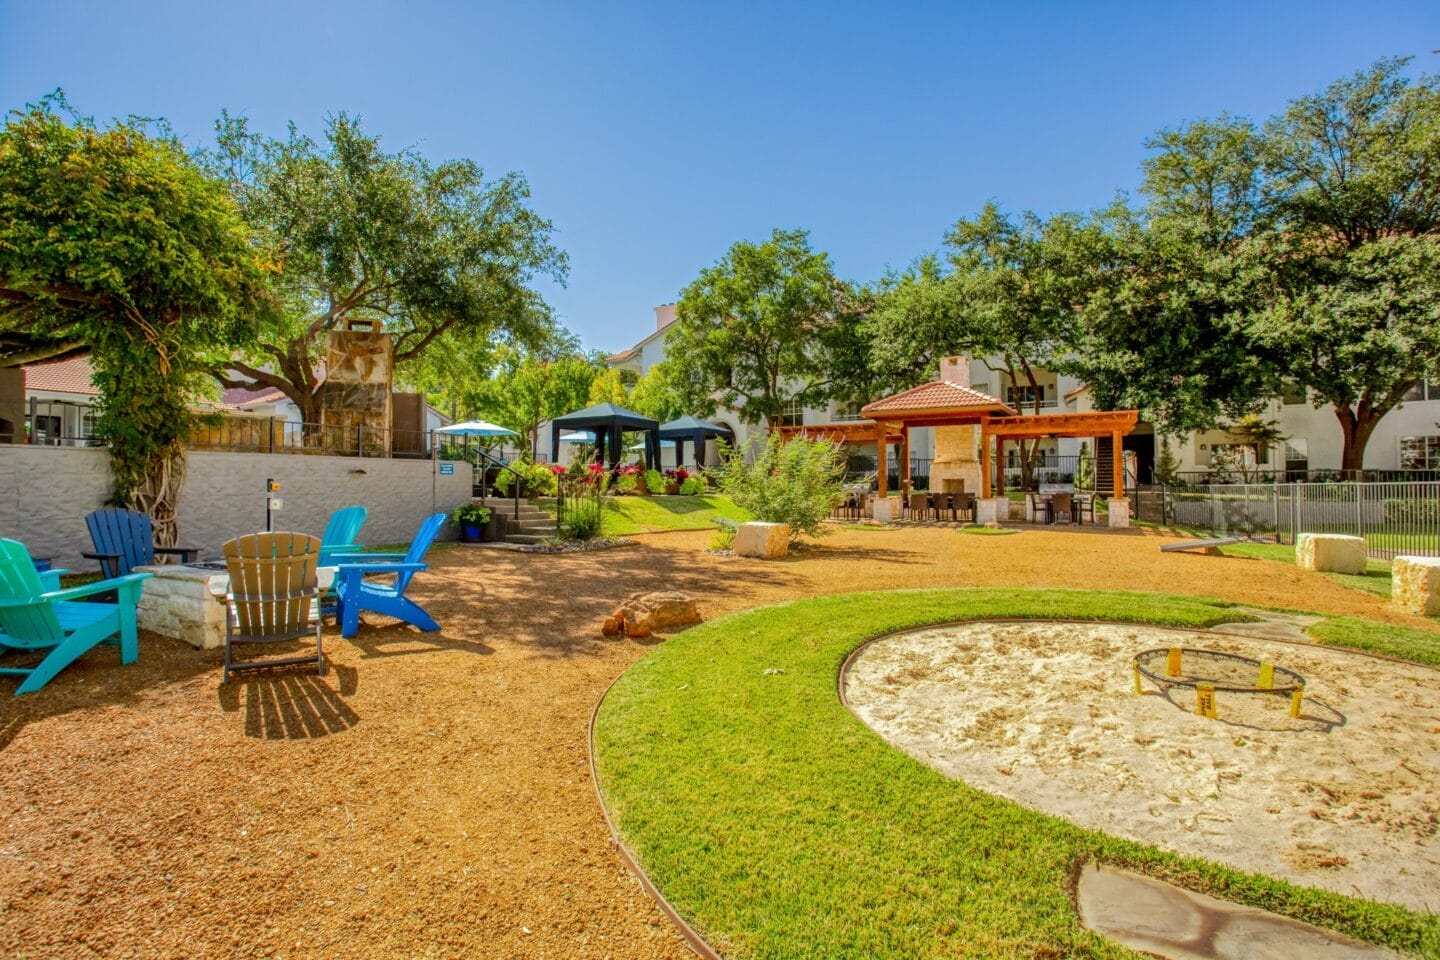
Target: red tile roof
{"points": [[239, 397], [62, 376], [622, 355], [936, 395]]}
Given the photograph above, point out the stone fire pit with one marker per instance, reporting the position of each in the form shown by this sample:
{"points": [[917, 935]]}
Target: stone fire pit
{"points": [[187, 602]]}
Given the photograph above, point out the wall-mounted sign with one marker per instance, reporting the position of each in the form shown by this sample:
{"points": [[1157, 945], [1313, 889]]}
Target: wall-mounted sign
{"points": [[447, 469]]}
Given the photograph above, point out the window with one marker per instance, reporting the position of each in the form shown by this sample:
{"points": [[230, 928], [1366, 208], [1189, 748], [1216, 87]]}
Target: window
{"points": [[792, 414], [1297, 451], [1419, 453], [848, 411], [1024, 395]]}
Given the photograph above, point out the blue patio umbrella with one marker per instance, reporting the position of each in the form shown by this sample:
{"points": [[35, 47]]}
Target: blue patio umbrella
{"points": [[476, 428]]}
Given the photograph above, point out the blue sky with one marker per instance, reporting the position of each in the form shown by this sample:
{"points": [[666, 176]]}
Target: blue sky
{"points": [[655, 135]]}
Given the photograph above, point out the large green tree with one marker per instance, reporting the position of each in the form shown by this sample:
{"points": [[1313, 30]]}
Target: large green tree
{"points": [[527, 389], [1007, 293], [362, 233], [113, 240], [1348, 279], [1301, 252], [655, 395], [762, 327]]}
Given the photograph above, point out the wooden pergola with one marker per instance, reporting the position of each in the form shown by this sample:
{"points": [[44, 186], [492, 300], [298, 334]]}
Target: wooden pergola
{"points": [[1116, 424]]}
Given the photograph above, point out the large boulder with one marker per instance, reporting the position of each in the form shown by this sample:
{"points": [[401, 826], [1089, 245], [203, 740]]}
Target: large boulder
{"points": [[1330, 552], [1415, 584], [643, 613], [762, 540]]}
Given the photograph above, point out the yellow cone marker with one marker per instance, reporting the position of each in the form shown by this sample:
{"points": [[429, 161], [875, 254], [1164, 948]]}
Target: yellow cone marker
{"points": [[1296, 701], [1172, 663], [1267, 676], [1205, 700], [1135, 668]]}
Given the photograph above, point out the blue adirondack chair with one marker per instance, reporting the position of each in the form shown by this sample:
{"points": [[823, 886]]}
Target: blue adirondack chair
{"points": [[34, 617], [125, 539], [342, 533], [357, 594]]}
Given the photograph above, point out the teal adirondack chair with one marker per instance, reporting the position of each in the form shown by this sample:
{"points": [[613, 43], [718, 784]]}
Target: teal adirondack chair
{"points": [[34, 617], [342, 533], [357, 594]]}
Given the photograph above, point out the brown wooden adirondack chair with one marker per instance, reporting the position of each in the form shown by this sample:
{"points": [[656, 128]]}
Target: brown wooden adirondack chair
{"points": [[274, 596]]}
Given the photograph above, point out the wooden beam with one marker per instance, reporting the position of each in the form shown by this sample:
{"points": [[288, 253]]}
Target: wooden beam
{"points": [[904, 460], [882, 480], [1000, 466], [1117, 455], [984, 463]]}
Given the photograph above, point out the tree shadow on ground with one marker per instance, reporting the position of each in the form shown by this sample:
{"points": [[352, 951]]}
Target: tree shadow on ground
{"points": [[98, 679], [288, 704]]}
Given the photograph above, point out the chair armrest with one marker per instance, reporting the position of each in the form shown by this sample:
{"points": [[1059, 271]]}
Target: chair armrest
{"points": [[130, 580], [364, 569], [333, 559], [186, 554], [101, 556], [331, 549]]}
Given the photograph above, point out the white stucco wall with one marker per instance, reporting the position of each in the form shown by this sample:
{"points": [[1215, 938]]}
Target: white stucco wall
{"points": [[45, 493]]}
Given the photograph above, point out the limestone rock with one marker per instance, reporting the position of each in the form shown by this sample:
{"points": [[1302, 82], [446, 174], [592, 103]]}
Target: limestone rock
{"points": [[766, 540], [643, 613], [1330, 552], [1415, 584]]}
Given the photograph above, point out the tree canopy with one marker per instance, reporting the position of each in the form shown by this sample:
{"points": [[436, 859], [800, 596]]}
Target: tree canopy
{"points": [[767, 324], [429, 250], [113, 241]]}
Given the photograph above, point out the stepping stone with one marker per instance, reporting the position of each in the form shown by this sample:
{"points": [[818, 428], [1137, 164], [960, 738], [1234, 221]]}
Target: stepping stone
{"points": [[1160, 918], [1262, 631]]}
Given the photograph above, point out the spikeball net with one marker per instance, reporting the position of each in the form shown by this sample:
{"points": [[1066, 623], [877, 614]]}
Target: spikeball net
{"points": [[1209, 672]]}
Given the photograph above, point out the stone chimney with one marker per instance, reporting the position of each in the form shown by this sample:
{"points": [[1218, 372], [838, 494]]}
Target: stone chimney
{"points": [[955, 370], [664, 315]]}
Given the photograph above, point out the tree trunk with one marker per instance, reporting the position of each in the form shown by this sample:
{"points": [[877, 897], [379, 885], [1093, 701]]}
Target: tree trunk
{"points": [[158, 494], [1356, 426]]}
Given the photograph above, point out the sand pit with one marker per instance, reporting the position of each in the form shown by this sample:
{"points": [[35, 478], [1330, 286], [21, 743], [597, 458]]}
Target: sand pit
{"points": [[1345, 798]]}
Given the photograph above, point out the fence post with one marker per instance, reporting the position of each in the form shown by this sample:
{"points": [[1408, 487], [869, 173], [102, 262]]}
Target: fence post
{"points": [[1360, 509], [360, 440]]}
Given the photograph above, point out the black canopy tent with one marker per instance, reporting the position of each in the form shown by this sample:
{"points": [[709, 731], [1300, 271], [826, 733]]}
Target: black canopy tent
{"points": [[608, 422], [696, 431]]}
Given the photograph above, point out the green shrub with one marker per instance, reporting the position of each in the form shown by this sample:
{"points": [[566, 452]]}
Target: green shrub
{"points": [[471, 513], [584, 518], [692, 487], [724, 538], [796, 482], [537, 479], [627, 483], [654, 481]]}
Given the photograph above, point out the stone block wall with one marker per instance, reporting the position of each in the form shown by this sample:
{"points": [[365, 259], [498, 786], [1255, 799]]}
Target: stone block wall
{"points": [[45, 493]]}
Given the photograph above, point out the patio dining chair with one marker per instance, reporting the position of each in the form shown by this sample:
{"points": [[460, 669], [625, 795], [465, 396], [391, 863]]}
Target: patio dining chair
{"points": [[919, 505], [1084, 503], [274, 597], [1060, 506], [965, 505]]}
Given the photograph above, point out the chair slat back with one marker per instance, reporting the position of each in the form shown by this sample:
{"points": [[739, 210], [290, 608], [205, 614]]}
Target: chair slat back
{"points": [[128, 533], [344, 527], [1061, 502], [31, 622], [424, 537], [273, 582]]}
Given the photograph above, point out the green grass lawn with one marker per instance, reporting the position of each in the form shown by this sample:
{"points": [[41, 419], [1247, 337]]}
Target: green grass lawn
{"points": [[1375, 579], [782, 827], [653, 514]]}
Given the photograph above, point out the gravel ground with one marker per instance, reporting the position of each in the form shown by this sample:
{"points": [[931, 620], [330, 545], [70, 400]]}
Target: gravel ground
{"points": [[430, 797]]}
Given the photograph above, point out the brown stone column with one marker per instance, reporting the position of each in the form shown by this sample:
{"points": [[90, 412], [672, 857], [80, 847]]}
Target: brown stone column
{"points": [[881, 480], [984, 464]]}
